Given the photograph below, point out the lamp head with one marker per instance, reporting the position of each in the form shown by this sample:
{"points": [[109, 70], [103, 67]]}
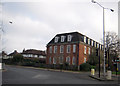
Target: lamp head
{"points": [[112, 10], [93, 1]]}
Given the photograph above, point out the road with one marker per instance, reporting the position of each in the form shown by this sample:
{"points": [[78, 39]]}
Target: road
{"points": [[25, 75]]}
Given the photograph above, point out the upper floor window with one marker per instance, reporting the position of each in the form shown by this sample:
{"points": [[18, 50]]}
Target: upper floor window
{"points": [[55, 49], [84, 60], [68, 48], [88, 41], [50, 49], [95, 44], [61, 49], [56, 39], [62, 38], [84, 49], [74, 48], [69, 38], [88, 50], [92, 42], [73, 60], [85, 39], [100, 47]]}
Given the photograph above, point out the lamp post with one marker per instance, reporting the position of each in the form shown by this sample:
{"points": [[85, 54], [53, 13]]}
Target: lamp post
{"points": [[103, 29]]}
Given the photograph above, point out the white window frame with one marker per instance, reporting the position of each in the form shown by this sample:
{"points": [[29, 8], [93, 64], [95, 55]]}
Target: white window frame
{"points": [[68, 60], [56, 39], [73, 60], [85, 39], [88, 41], [100, 46], [95, 44], [85, 49], [84, 59], [54, 60], [69, 38], [68, 47], [55, 49], [50, 49], [62, 38], [74, 48], [61, 48]]}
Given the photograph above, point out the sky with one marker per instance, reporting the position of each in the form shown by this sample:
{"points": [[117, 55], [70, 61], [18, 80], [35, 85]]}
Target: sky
{"points": [[35, 23]]}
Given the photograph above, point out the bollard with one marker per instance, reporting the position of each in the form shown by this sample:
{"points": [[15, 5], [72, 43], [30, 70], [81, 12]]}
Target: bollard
{"points": [[0, 66], [109, 75], [92, 71]]}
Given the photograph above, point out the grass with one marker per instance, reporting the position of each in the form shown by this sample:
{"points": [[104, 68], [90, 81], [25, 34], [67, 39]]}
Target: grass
{"points": [[118, 73]]}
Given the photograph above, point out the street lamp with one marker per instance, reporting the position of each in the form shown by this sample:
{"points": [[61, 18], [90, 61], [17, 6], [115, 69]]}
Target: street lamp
{"points": [[103, 29]]}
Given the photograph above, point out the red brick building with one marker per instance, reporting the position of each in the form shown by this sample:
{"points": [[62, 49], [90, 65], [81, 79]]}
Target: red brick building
{"points": [[73, 48]]}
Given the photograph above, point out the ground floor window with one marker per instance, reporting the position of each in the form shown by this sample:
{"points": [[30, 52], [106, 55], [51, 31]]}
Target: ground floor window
{"points": [[50, 60], [73, 60], [68, 60], [61, 60], [54, 60]]}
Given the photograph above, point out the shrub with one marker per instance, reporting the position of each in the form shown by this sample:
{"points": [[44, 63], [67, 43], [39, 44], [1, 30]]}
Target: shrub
{"points": [[85, 67], [92, 67]]}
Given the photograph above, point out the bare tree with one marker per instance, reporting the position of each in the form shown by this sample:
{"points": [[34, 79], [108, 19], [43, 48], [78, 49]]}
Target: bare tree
{"points": [[112, 47]]}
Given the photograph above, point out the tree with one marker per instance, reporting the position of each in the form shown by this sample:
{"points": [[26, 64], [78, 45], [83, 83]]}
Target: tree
{"points": [[93, 59], [17, 58], [112, 47]]}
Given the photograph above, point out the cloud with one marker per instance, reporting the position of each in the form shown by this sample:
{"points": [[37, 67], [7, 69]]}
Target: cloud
{"points": [[35, 24]]}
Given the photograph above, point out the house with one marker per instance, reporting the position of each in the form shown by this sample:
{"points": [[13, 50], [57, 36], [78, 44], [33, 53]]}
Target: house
{"points": [[73, 48], [4, 55], [32, 53], [12, 54]]}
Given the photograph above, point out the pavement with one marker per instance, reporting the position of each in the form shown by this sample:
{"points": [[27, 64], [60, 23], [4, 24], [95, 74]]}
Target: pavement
{"points": [[104, 78]]}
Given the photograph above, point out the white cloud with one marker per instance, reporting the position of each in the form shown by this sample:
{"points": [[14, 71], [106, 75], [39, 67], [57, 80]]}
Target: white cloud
{"points": [[35, 24]]}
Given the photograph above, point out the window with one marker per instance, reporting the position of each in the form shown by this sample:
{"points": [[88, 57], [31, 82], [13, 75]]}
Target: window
{"points": [[92, 42], [89, 51], [100, 47], [69, 38], [95, 44], [88, 41], [50, 60], [74, 48], [61, 60], [55, 49], [84, 60], [74, 61], [68, 48], [84, 49], [56, 39], [62, 38], [54, 60], [84, 39], [50, 49], [68, 60], [61, 49]]}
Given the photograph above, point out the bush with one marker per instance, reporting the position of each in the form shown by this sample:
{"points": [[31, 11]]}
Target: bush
{"points": [[85, 67], [92, 67]]}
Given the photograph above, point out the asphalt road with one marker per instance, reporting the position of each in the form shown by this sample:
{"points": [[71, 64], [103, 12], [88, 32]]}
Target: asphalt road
{"points": [[25, 75]]}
